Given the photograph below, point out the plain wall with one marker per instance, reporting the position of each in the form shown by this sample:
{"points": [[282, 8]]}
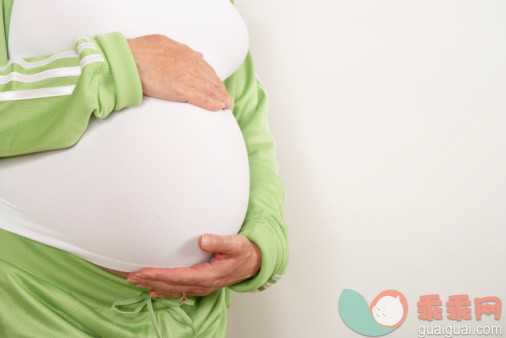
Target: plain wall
{"points": [[390, 124]]}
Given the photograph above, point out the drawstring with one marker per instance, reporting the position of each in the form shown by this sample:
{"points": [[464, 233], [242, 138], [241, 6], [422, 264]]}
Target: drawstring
{"points": [[144, 299]]}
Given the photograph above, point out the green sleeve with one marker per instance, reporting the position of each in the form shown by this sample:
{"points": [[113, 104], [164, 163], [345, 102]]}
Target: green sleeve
{"points": [[263, 224], [46, 101]]}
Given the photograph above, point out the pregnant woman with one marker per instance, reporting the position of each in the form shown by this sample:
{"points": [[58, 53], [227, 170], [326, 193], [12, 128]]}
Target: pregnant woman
{"points": [[102, 220]]}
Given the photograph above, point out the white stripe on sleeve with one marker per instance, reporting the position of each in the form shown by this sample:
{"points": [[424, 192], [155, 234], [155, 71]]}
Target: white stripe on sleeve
{"points": [[91, 59], [85, 45], [277, 277], [47, 74], [30, 65], [36, 93], [57, 56]]}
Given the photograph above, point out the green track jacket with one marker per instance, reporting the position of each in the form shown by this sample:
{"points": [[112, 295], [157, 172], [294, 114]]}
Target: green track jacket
{"points": [[40, 112]]}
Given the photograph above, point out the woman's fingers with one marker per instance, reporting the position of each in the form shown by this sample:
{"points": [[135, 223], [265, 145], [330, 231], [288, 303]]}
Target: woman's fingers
{"points": [[212, 84], [199, 98], [161, 289], [213, 92], [235, 258], [172, 71], [174, 289], [217, 84], [200, 274]]}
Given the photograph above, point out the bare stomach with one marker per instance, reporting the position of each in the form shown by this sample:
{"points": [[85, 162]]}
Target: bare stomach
{"points": [[115, 272]]}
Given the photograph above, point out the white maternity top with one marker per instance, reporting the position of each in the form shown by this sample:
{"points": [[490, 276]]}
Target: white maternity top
{"points": [[142, 185]]}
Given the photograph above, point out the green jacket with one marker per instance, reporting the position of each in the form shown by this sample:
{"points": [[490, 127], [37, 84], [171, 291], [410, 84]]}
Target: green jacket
{"points": [[50, 112]]}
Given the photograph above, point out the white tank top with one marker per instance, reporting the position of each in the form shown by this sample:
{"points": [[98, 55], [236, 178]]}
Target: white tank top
{"points": [[142, 185]]}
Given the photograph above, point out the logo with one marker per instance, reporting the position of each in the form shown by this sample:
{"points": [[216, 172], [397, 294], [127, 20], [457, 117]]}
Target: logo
{"points": [[386, 312]]}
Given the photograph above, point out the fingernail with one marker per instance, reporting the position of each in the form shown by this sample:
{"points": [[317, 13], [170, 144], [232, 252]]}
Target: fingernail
{"points": [[141, 275], [207, 242]]}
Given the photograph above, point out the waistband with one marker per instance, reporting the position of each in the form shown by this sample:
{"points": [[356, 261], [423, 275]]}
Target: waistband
{"points": [[145, 300], [88, 282]]}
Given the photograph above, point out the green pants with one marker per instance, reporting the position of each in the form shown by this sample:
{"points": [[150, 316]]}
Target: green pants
{"points": [[48, 292]]}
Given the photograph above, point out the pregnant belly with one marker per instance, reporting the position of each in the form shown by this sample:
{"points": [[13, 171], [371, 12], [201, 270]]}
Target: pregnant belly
{"points": [[142, 185], [137, 190]]}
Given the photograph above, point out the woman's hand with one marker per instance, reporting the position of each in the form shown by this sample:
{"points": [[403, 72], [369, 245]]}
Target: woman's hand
{"points": [[172, 71], [235, 258]]}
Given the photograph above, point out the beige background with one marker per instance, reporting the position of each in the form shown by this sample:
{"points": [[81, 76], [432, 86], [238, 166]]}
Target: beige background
{"points": [[389, 119]]}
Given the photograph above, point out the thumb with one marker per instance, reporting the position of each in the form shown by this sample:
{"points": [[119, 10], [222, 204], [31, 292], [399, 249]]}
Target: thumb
{"points": [[217, 243]]}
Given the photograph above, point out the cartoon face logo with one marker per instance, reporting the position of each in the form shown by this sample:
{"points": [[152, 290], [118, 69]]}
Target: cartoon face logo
{"points": [[388, 309], [386, 312]]}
